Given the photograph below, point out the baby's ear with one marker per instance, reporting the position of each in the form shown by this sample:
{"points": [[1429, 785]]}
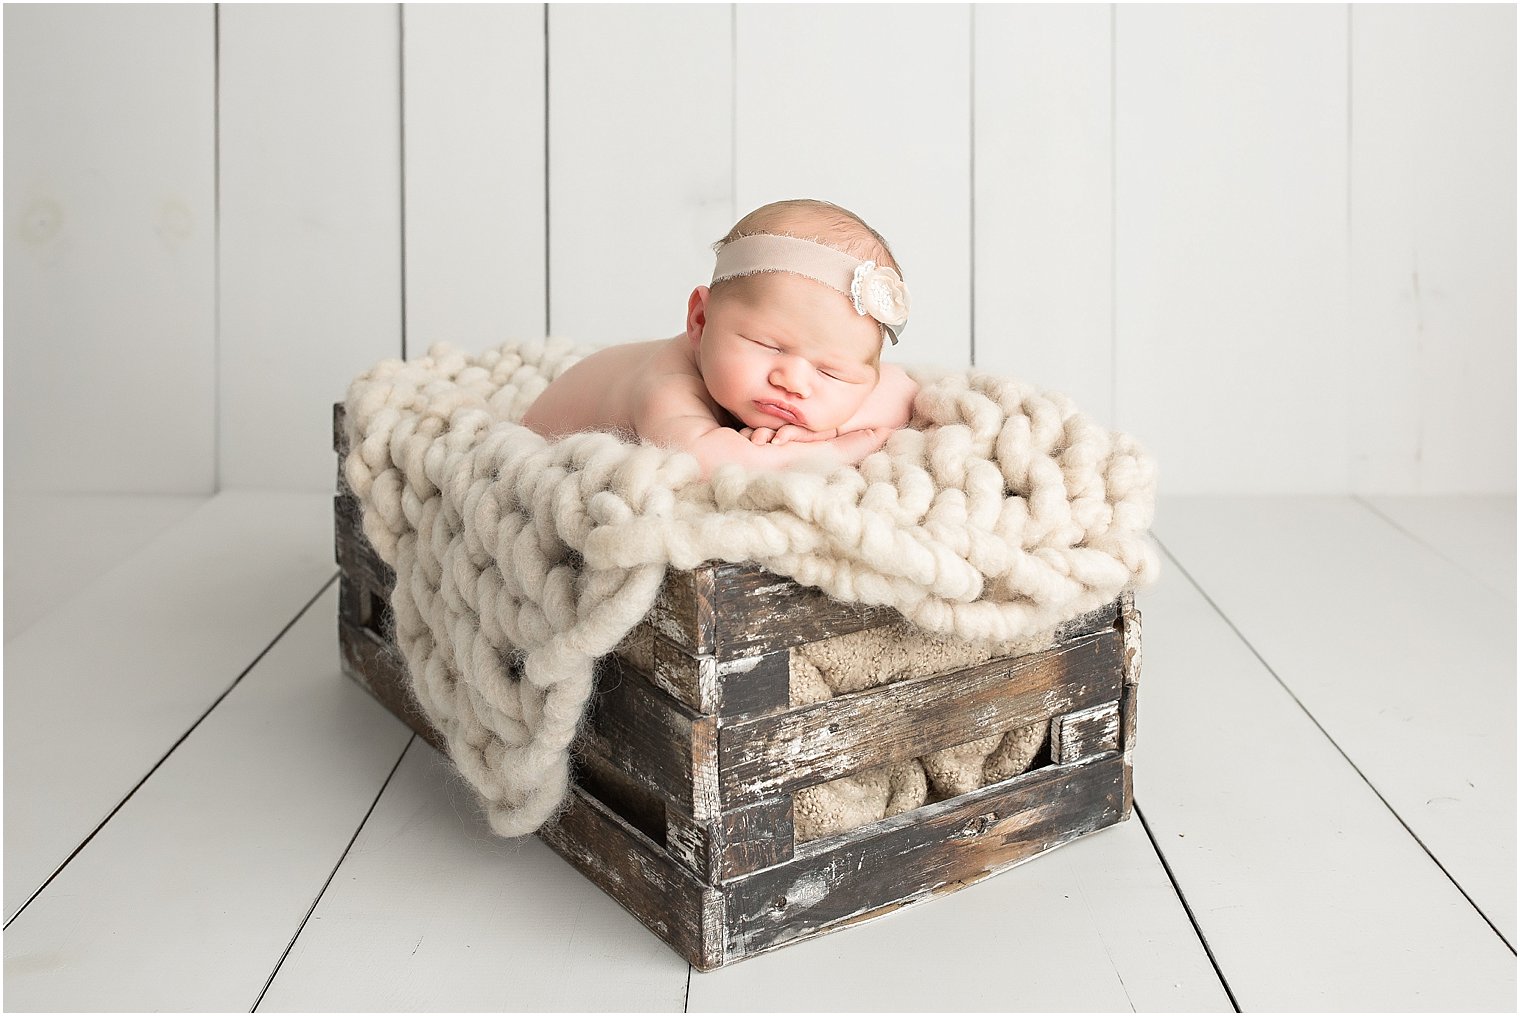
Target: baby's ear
{"points": [[696, 314]]}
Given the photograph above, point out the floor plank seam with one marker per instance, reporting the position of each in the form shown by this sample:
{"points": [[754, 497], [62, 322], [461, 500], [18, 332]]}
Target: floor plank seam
{"points": [[331, 875], [1187, 908], [1434, 550], [1336, 745], [172, 749]]}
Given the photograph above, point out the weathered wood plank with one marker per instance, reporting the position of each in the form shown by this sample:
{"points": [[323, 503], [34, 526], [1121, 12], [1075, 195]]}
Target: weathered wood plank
{"points": [[353, 552], [857, 875], [651, 735], [376, 666], [758, 611], [1129, 625], [754, 684], [907, 719], [733, 843], [640, 876], [1085, 732], [683, 610], [597, 770]]}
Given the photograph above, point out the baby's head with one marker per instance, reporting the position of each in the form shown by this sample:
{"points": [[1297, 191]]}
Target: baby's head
{"points": [[777, 347]]}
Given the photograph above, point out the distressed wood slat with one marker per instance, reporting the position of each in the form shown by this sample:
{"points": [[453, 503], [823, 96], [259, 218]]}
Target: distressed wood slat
{"points": [[1085, 732], [648, 732], [754, 684], [640, 876], [758, 611], [726, 688], [376, 666], [599, 771], [865, 873], [1129, 626], [734, 843], [353, 552], [907, 719], [683, 610]]}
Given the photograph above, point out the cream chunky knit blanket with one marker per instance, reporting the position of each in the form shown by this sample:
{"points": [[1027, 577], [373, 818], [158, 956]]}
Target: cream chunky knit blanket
{"points": [[998, 512]]}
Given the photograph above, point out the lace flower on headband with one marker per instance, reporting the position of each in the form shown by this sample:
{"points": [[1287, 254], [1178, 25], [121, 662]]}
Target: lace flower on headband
{"points": [[880, 292]]}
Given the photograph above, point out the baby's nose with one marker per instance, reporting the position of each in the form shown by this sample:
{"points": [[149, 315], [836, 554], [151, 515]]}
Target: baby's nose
{"points": [[791, 375]]}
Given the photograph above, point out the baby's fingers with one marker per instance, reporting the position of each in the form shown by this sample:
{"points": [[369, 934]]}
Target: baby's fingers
{"points": [[762, 435], [789, 433]]}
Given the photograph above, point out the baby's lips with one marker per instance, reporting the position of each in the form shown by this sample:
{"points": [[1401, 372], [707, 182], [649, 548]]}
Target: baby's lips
{"points": [[783, 412]]}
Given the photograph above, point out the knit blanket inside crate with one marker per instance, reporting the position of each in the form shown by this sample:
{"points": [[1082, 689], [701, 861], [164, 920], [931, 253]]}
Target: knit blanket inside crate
{"points": [[998, 513]]}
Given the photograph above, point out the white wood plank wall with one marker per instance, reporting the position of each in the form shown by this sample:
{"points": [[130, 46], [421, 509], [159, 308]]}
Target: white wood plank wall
{"points": [[310, 246], [473, 93], [1277, 244], [110, 213], [640, 164]]}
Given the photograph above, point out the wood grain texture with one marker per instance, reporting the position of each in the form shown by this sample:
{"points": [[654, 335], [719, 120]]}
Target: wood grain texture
{"points": [[733, 843], [907, 719], [1076, 735], [759, 612], [683, 610], [1094, 926], [865, 873], [1129, 624], [652, 736], [640, 876]]}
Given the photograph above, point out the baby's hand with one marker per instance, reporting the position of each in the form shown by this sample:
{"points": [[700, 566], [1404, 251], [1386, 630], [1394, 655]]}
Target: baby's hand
{"points": [[786, 433]]}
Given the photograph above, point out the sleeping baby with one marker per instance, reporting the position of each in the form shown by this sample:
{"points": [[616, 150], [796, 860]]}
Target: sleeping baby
{"points": [[780, 362]]}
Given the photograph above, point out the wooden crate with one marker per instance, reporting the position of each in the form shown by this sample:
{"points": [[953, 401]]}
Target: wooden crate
{"points": [[682, 804]]}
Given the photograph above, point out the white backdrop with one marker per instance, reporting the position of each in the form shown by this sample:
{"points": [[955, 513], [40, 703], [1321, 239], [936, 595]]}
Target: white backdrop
{"points": [[1276, 243]]}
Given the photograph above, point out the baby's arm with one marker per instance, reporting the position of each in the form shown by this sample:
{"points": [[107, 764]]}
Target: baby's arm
{"points": [[677, 419], [890, 404]]}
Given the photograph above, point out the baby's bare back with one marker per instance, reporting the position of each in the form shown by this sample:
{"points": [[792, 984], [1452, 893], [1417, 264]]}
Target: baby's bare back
{"points": [[603, 391]]}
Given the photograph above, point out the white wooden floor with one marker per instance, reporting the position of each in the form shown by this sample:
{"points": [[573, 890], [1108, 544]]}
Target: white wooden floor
{"points": [[202, 813]]}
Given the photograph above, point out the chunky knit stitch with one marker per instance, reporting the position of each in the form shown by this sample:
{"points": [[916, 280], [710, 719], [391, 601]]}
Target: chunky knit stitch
{"points": [[998, 512]]}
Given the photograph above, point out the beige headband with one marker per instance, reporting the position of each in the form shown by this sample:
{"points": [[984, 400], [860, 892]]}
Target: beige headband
{"points": [[874, 289]]}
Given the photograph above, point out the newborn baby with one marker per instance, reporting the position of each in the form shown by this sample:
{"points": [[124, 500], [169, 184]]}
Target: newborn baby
{"points": [[780, 361]]}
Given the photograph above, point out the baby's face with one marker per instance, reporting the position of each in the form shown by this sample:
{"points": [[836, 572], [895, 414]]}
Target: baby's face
{"points": [[780, 349]]}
